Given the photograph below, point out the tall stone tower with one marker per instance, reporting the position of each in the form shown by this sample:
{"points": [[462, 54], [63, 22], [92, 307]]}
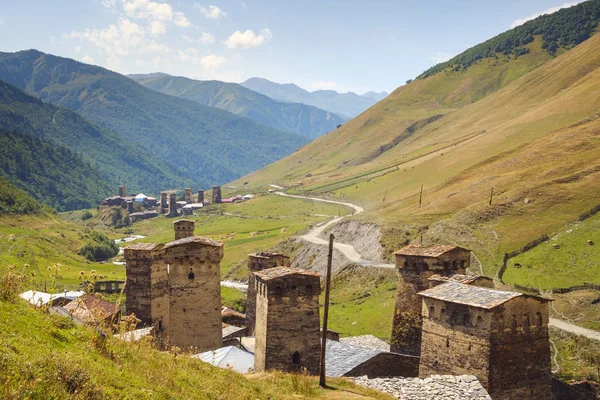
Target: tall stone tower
{"points": [[122, 191], [415, 265], [259, 262], [187, 194], [183, 228], [200, 196], [172, 205], [147, 280], [287, 320], [195, 293], [164, 204], [216, 194]]}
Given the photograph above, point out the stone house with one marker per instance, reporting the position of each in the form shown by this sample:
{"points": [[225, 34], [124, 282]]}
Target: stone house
{"points": [[287, 329], [415, 264], [500, 337]]}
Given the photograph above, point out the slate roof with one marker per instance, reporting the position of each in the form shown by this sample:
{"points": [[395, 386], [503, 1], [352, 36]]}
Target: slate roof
{"points": [[229, 357], [142, 246], [265, 255], [425, 251], [91, 309], [367, 342], [278, 272], [469, 295], [460, 278], [231, 330], [341, 358], [194, 239]]}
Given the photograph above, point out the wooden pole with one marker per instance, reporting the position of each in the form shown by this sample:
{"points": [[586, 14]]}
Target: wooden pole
{"points": [[326, 312], [491, 195], [421, 197]]}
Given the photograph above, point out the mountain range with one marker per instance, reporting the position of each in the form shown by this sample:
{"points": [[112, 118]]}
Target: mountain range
{"points": [[203, 145], [306, 120], [347, 105]]}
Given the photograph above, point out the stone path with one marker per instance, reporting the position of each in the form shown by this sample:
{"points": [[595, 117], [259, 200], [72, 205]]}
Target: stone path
{"points": [[438, 387], [578, 330]]}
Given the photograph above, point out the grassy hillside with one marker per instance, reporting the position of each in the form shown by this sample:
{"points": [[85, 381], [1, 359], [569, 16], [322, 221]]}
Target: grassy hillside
{"points": [[526, 126], [306, 120], [16, 201], [209, 145], [47, 356], [118, 161], [53, 175]]}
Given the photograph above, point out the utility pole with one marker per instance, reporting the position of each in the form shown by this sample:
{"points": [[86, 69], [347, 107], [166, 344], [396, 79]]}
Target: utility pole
{"points": [[421, 197], [491, 195], [326, 312]]}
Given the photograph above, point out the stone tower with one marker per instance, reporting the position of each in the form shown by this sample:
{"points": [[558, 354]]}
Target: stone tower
{"points": [[200, 196], [183, 228], [415, 265], [500, 337], [187, 195], [195, 293], [216, 194], [147, 280], [122, 191], [287, 320], [259, 262], [172, 205], [164, 204]]}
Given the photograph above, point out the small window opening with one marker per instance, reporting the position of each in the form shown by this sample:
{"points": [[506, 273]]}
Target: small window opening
{"points": [[309, 290], [191, 274], [447, 342], [296, 358]]}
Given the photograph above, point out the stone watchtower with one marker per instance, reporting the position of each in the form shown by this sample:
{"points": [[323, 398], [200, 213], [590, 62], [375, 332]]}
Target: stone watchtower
{"points": [[259, 262], [287, 320], [122, 191], [200, 196], [216, 194], [187, 194], [172, 205], [164, 205], [500, 337], [183, 228], [415, 265]]}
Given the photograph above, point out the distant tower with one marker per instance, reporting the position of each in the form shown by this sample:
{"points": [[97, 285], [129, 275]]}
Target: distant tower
{"points": [[200, 196], [163, 202], [122, 191], [415, 265], [259, 262], [172, 205], [287, 320], [195, 293], [216, 194], [183, 228], [147, 282], [187, 195]]}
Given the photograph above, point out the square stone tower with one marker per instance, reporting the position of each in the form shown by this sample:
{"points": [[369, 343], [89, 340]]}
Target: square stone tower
{"points": [[259, 262], [172, 205], [195, 293], [183, 228], [500, 337], [122, 191], [200, 196], [187, 195], [147, 281], [415, 265], [287, 327], [216, 195]]}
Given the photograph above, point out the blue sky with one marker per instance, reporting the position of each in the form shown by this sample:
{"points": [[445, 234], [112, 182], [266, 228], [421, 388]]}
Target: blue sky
{"points": [[346, 45]]}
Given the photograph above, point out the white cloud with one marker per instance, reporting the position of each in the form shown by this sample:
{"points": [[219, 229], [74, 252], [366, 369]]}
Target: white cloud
{"points": [[206, 38], [146, 9], [440, 57], [212, 62], [87, 59], [181, 20], [116, 39], [186, 38], [212, 12], [158, 28], [77, 49], [248, 39], [322, 85], [551, 10]]}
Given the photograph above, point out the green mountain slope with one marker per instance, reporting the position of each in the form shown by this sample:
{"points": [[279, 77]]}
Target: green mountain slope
{"points": [[344, 104], [118, 161], [207, 144], [53, 175], [308, 121], [16, 201], [527, 126]]}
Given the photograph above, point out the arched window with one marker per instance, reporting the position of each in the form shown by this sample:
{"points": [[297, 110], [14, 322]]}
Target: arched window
{"points": [[479, 321], [467, 319], [278, 291], [191, 274], [296, 358], [514, 322], [431, 312], [454, 318], [447, 342], [309, 290], [538, 319]]}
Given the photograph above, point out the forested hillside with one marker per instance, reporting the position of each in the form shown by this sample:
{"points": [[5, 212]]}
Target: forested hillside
{"points": [[53, 175], [116, 160], [306, 120], [209, 145], [16, 201]]}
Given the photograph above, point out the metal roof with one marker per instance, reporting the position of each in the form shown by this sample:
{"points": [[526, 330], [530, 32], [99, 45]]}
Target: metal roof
{"points": [[469, 295], [194, 239], [425, 251], [229, 357], [278, 272]]}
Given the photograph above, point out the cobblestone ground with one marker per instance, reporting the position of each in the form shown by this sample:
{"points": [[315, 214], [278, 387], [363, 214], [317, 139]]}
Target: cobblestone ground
{"points": [[436, 387]]}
